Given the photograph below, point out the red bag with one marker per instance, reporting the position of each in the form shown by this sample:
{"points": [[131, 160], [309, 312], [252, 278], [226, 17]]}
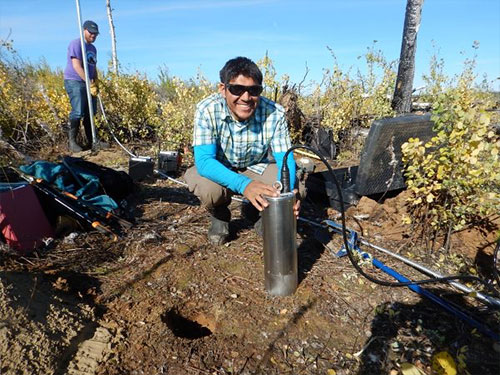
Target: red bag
{"points": [[22, 220]]}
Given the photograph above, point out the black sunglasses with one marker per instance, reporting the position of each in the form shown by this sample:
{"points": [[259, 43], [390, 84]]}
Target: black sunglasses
{"points": [[238, 90]]}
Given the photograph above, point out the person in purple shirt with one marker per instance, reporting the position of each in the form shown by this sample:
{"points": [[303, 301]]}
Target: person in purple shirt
{"points": [[74, 83]]}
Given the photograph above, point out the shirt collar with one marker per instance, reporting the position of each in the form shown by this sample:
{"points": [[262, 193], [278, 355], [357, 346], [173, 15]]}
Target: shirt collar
{"points": [[226, 113]]}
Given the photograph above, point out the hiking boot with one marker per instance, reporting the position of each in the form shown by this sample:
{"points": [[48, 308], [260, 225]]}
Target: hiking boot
{"points": [[218, 233], [74, 125], [88, 132], [99, 145]]}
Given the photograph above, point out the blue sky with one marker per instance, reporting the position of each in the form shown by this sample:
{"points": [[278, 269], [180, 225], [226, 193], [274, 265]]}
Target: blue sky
{"points": [[187, 36]]}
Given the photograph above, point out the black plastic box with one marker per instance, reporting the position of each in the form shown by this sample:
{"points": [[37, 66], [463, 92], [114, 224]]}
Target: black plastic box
{"points": [[140, 168], [168, 162], [380, 170], [322, 189]]}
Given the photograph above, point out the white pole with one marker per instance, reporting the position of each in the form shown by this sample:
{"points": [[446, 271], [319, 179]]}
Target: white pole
{"points": [[87, 80]]}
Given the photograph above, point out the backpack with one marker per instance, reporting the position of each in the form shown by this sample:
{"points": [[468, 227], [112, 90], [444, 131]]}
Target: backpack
{"points": [[117, 184]]}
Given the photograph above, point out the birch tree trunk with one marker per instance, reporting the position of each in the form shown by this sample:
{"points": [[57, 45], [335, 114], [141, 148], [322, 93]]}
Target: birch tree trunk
{"points": [[401, 102], [114, 59]]}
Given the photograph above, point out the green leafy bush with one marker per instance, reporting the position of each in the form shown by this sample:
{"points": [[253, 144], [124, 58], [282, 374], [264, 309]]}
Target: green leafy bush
{"points": [[455, 178]]}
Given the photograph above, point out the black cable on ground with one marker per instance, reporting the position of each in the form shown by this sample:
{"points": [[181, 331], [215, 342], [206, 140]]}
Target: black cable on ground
{"points": [[285, 180]]}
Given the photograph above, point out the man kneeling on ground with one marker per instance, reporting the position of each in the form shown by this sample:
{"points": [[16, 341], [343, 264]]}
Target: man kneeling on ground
{"points": [[237, 134]]}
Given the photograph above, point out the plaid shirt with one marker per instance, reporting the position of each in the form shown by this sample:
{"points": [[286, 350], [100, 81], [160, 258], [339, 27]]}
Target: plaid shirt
{"points": [[241, 144]]}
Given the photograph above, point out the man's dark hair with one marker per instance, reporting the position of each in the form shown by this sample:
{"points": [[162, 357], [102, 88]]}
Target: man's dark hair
{"points": [[240, 65]]}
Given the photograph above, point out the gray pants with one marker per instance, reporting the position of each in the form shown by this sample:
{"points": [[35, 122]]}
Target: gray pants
{"points": [[212, 195]]}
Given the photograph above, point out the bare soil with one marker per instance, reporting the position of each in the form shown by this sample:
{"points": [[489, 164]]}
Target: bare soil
{"points": [[162, 300]]}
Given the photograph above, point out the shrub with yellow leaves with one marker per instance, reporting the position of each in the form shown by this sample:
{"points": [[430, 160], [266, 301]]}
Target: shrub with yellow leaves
{"points": [[351, 101], [176, 129], [33, 103], [131, 105], [455, 177], [345, 101], [271, 84]]}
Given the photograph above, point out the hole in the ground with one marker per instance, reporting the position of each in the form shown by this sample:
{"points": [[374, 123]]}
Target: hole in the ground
{"points": [[183, 327]]}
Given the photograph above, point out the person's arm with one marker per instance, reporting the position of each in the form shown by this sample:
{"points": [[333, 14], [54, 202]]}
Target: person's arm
{"points": [[205, 154], [78, 66], [209, 167]]}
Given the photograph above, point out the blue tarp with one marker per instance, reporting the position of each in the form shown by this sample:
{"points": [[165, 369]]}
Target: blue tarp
{"points": [[59, 176]]}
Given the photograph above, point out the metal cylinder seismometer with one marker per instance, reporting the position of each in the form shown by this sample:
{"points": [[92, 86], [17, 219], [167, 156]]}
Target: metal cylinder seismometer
{"points": [[280, 246]]}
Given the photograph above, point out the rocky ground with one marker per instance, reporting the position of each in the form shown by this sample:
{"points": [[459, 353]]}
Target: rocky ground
{"points": [[162, 300]]}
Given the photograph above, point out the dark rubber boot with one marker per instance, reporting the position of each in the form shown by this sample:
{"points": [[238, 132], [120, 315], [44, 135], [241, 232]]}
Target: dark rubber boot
{"points": [[218, 233], [88, 132], [74, 125]]}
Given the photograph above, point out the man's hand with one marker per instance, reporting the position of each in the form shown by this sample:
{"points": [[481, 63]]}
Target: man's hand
{"points": [[255, 192], [94, 87]]}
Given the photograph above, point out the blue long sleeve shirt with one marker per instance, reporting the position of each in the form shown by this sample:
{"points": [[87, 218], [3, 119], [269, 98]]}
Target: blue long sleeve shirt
{"points": [[209, 167]]}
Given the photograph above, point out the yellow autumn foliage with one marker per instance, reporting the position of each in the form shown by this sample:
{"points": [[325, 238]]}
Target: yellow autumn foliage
{"points": [[455, 178]]}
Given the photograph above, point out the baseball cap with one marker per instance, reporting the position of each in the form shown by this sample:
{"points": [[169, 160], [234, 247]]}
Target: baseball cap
{"points": [[91, 26]]}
